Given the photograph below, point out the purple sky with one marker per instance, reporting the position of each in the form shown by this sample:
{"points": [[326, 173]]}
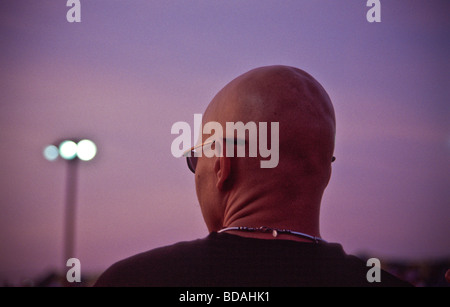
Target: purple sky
{"points": [[131, 69]]}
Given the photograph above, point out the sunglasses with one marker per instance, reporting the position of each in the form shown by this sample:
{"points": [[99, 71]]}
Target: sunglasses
{"points": [[192, 155]]}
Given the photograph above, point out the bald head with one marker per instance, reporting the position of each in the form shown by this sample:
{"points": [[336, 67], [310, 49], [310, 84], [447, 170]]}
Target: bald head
{"points": [[267, 93], [295, 100], [288, 96]]}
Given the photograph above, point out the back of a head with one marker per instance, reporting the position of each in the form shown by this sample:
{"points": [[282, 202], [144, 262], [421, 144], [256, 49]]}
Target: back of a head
{"points": [[294, 99]]}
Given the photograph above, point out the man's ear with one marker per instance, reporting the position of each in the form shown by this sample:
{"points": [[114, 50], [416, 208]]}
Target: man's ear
{"points": [[222, 168]]}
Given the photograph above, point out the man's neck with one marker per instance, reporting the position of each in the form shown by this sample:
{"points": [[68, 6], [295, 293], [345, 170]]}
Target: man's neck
{"points": [[275, 213]]}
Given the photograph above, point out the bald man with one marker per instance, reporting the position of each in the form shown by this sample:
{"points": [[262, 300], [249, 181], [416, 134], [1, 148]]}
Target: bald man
{"points": [[263, 222]]}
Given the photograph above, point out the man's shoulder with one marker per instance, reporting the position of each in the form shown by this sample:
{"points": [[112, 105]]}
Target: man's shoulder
{"points": [[356, 272], [152, 266], [242, 261]]}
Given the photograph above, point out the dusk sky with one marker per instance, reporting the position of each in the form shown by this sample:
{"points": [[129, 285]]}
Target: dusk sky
{"points": [[131, 69]]}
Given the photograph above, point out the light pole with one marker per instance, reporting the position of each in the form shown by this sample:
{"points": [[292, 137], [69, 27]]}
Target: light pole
{"points": [[72, 152]]}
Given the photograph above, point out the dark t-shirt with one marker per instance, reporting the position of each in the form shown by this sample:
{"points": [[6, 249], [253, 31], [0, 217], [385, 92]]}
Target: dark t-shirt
{"points": [[233, 261]]}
